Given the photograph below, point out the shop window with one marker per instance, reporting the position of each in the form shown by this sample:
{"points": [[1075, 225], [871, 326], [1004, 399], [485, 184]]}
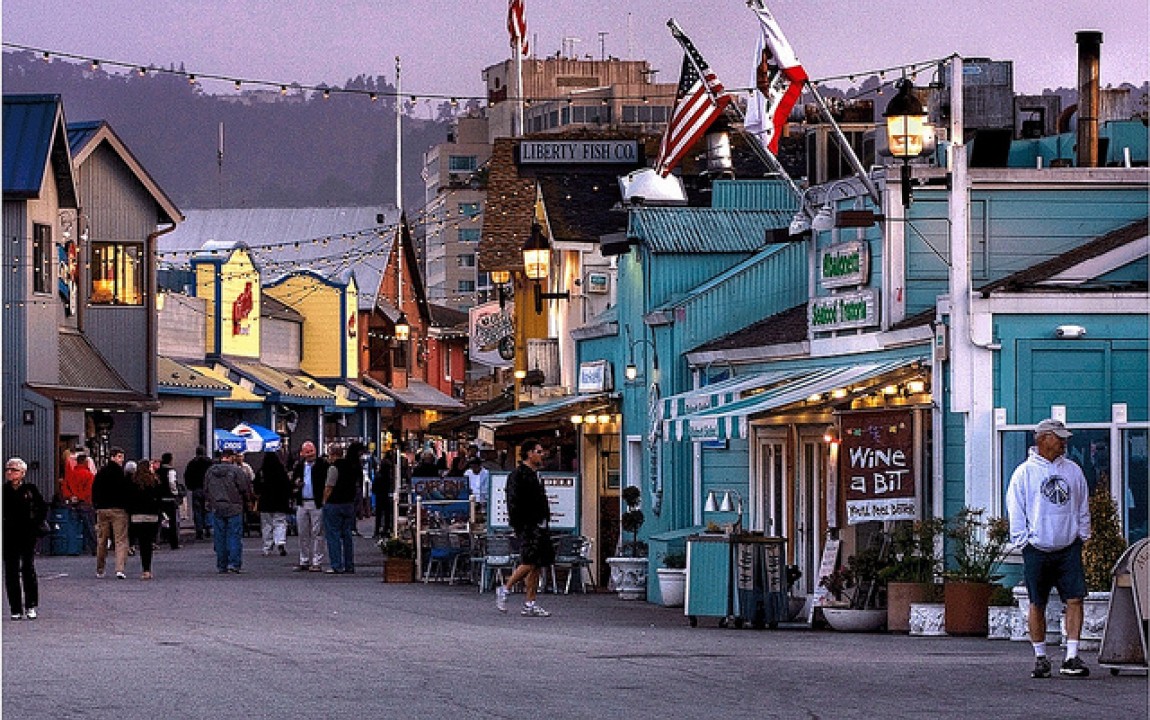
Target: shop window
{"points": [[41, 258], [1132, 502], [117, 274]]}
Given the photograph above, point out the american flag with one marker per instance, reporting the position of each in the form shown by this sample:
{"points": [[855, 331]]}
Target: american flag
{"points": [[517, 26], [698, 101]]}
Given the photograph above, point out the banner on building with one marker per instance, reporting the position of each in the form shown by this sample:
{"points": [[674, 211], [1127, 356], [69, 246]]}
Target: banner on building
{"points": [[492, 341], [876, 465]]}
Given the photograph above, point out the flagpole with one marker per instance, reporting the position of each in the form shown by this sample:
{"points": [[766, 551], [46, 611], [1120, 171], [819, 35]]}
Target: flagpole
{"points": [[398, 139], [517, 51], [764, 154]]}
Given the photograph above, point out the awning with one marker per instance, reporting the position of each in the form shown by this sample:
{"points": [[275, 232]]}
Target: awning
{"points": [[556, 410], [723, 392], [730, 420], [176, 378], [367, 397], [418, 395], [464, 422], [282, 387], [239, 397]]}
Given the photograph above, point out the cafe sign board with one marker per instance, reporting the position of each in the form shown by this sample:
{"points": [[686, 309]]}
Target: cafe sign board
{"points": [[844, 265], [562, 490], [876, 465], [579, 152], [844, 311]]}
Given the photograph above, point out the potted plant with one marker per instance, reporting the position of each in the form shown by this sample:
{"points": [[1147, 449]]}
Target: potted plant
{"points": [[912, 569], [673, 579], [1099, 556], [978, 545], [860, 584], [398, 560], [629, 568]]}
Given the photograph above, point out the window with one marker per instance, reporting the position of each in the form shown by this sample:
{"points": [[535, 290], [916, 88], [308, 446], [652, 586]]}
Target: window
{"points": [[117, 274], [470, 209], [466, 286], [1132, 501], [466, 260], [41, 258], [469, 235], [461, 163]]}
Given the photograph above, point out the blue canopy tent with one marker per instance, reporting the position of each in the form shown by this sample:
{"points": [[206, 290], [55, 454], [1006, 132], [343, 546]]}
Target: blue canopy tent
{"points": [[257, 438], [225, 440]]}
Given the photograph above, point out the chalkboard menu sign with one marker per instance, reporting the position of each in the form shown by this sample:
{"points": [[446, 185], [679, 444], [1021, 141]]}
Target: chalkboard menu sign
{"points": [[876, 465]]}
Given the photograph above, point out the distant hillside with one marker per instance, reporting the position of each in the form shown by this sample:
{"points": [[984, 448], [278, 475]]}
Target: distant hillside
{"points": [[299, 150]]}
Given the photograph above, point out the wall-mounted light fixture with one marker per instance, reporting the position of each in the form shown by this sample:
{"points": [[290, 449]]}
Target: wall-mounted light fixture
{"points": [[631, 371], [1070, 332], [726, 505], [537, 266], [831, 435], [402, 327], [500, 278], [905, 129]]}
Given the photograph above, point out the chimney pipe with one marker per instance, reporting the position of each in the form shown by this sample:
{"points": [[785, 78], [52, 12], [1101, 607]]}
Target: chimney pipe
{"points": [[1089, 53]]}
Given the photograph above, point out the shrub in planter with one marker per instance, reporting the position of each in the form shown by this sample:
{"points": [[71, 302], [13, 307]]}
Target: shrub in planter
{"points": [[1106, 543], [631, 521], [979, 545]]}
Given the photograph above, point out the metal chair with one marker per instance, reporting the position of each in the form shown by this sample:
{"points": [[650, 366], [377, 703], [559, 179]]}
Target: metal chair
{"points": [[498, 557], [573, 553], [444, 554]]}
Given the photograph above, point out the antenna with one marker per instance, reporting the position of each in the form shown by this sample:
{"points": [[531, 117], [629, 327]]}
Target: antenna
{"points": [[220, 168], [603, 44], [569, 46]]}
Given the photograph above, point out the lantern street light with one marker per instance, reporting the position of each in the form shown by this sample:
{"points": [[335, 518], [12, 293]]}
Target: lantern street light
{"points": [[537, 266], [501, 278], [905, 120], [402, 327]]}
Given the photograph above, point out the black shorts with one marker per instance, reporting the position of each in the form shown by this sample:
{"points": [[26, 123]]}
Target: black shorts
{"points": [[1060, 569], [535, 547]]}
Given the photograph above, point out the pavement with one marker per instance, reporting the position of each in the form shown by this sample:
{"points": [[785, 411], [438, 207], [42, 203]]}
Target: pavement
{"points": [[272, 643]]}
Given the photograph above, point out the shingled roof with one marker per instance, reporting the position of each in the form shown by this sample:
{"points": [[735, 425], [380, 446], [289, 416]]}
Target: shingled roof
{"points": [[788, 326]]}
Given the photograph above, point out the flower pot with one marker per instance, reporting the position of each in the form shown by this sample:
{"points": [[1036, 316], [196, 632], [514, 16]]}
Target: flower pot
{"points": [[629, 577], [967, 605], [928, 619], [899, 596], [398, 570], [672, 586], [852, 620]]}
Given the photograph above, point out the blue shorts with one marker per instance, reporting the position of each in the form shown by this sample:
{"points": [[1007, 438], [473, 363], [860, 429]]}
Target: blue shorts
{"points": [[1060, 569]]}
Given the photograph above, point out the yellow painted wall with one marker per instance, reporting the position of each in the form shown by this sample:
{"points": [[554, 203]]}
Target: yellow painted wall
{"points": [[352, 332], [240, 288], [323, 330]]}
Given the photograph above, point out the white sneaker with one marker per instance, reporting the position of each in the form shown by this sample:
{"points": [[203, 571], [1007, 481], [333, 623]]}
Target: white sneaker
{"points": [[100, 575], [501, 599], [121, 576], [534, 611], [30, 613]]}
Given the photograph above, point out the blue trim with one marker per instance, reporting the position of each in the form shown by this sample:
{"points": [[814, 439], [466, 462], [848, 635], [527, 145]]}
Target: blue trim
{"points": [[194, 392]]}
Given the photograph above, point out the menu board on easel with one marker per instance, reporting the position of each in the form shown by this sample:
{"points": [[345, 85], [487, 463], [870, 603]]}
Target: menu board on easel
{"points": [[876, 465], [562, 493], [827, 565]]}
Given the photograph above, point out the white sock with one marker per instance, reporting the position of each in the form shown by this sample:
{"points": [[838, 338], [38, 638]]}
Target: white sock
{"points": [[1071, 649], [1039, 649]]}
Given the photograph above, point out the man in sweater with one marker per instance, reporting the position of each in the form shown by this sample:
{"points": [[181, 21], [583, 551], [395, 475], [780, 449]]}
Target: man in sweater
{"points": [[110, 498], [529, 512], [226, 492], [1047, 501]]}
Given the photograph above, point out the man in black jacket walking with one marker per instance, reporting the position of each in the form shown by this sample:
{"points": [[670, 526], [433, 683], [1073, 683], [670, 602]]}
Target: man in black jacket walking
{"points": [[110, 498], [529, 512], [194, 482]]}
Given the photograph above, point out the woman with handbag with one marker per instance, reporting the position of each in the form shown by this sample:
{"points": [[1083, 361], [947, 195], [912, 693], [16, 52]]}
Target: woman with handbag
{"points": [[25, 516], [144, 505]]}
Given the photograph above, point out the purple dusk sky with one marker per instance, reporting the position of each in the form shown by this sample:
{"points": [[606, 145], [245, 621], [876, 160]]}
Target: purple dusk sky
{"points": [[445, 45]]}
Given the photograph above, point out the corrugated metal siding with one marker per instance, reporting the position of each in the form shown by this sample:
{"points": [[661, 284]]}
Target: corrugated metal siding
{"points": [[703, 230], [753, 195]]}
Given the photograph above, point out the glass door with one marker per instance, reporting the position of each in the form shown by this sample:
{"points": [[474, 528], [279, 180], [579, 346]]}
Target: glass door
{"points": [[769, 486], [807, 532]]}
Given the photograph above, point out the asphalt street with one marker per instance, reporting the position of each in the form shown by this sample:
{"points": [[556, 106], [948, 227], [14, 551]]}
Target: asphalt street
{"points": [[271, 643]]}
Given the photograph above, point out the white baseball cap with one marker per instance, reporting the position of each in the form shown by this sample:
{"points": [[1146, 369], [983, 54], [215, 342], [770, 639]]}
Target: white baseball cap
{"points": [[1050, 425]]}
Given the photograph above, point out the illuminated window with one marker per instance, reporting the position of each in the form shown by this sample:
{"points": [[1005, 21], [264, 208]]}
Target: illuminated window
{"points": [[41, 258], [117, 274]]}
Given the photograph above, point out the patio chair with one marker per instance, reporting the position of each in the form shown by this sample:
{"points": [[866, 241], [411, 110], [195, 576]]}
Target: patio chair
{"points": [[573, 553], [498, 558], [444, 555]]}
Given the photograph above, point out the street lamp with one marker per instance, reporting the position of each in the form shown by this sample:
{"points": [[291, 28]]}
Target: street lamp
{"points": [[631, 371], [905, 120], [402, 327], [501, 278], [537, 266]]}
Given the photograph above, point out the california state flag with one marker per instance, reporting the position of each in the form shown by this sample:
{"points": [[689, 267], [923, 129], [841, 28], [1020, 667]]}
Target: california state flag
{"points": [[779, 79]]}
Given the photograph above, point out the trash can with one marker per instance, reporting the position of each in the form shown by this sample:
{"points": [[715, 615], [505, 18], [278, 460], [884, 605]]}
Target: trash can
{"points": [[66, 537], [761, 580]]}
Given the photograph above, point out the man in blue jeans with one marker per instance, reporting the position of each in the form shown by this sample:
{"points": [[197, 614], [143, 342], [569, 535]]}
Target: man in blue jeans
{"points": [[226, 491]]}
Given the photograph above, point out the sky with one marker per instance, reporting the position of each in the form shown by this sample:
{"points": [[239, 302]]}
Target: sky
{"points": [[445, 45]]}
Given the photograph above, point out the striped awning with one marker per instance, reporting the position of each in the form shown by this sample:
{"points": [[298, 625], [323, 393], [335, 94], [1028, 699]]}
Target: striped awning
{"points": [[729, 420], [723, 392]]}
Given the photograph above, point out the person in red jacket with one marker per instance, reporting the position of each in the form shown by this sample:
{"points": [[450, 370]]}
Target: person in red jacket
{"points": [[77, 492]]}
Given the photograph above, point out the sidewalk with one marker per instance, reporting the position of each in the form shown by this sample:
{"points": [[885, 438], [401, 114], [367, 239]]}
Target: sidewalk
{"points": [[276, 643]]}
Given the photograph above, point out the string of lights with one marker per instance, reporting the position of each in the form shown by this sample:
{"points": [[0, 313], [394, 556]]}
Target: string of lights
{"points": [[238, 82]]}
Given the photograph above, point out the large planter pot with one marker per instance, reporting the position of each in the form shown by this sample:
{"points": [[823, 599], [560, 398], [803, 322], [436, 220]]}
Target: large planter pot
{"points": [[966, 607], [928, 619], [1054, 608], [672, 586], [899, 596], [1001, 621], [1095, 608], [398, 570], [852, 620], [629, 577]]}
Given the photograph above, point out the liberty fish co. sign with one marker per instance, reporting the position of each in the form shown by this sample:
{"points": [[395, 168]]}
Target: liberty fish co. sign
{"points": [[583, 152]]}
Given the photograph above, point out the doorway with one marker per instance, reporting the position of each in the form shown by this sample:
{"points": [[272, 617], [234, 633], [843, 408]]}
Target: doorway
{"points": [[769, 485], [809, 498]]}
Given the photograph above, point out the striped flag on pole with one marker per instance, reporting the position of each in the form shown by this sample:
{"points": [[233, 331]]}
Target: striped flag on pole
{"points": [[699, 100], [517, 26], [779, 80]]}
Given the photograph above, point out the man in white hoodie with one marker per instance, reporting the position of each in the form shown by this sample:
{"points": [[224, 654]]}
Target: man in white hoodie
{"points": [[1049, 519]]}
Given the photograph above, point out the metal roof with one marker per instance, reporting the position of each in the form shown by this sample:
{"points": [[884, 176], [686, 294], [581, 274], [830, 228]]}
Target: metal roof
{"points": [[176, 378], [33, 138], [417, 395], [710, 230], [82, 365], [281, 386], [329, 241]]}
